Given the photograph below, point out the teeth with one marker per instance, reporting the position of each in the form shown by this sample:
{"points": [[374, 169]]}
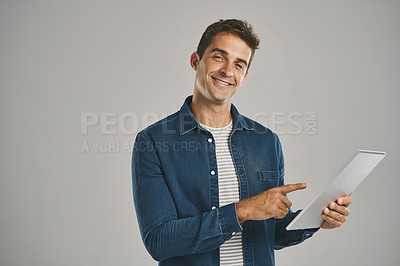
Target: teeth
{"points": [[223, 82], [220, 81]]}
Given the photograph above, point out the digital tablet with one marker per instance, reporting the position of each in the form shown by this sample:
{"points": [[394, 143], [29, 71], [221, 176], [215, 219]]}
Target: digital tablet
{"points": [[343, 184]]}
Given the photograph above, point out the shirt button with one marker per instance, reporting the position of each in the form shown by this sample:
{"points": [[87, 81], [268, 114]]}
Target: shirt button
{"points": [[212, 172], [233, 233], [213, 208], [210, 140]]}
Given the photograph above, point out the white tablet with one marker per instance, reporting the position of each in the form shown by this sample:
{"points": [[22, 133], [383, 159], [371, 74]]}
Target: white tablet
{"points": [[343, 184]]}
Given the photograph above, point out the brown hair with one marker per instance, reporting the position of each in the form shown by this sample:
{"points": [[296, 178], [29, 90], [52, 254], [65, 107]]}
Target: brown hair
{"points": [[240, 28]]}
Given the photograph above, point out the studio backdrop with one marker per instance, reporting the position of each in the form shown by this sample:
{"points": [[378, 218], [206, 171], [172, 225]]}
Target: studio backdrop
{"points": [[79, 80]]}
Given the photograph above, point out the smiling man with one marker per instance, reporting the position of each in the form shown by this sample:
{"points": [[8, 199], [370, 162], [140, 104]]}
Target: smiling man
{"points": [[208, 182]]}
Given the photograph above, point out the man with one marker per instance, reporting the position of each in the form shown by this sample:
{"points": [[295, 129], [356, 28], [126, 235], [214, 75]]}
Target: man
{"points": [[208, 183]]}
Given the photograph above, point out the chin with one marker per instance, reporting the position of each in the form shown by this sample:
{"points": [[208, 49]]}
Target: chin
{"points": [[221, 98]]}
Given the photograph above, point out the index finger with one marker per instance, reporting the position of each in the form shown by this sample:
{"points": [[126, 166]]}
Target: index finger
{"points": [[344, 201], [291, 187]]}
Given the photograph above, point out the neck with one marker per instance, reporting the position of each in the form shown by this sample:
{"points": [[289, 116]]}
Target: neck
{"points": [[212, 115]]}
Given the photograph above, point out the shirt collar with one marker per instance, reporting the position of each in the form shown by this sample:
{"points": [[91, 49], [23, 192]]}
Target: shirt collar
{"points": [[188, 122]]}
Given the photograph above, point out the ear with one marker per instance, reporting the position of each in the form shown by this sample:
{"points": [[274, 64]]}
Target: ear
{"points": [[194, 61]]}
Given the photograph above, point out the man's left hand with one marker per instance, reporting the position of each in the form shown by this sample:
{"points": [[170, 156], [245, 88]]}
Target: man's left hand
{"points": [[336, 213]]}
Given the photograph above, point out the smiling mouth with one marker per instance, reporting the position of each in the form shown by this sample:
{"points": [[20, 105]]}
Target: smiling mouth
{"points": [[222, 82]]}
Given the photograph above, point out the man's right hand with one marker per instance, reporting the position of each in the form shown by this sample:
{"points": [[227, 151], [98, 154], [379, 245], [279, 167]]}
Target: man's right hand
{"points": [[271, 203]]}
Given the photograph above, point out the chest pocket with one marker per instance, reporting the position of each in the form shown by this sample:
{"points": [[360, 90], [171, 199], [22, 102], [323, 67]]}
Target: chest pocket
{"points": [[268, 179]]}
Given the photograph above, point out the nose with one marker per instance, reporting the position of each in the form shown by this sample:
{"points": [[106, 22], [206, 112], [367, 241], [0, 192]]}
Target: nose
{"points": [[227, 70]]}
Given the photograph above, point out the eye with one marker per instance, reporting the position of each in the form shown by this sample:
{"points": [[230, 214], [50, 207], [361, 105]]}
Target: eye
{"points": [[239, 66], [218, 57]]}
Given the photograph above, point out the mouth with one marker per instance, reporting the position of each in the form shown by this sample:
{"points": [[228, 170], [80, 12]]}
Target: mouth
{"points": [[221, 81]]}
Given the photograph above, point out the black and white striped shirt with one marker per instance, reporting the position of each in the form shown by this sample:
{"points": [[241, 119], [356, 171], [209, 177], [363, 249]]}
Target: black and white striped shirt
{"points": [[231, 252]]}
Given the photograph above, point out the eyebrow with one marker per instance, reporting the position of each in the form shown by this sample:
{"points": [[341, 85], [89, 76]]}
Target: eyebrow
{"points": [[226, 53]]}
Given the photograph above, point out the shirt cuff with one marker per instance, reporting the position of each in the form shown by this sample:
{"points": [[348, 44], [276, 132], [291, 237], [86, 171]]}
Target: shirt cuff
{"points": [[228, 220]]}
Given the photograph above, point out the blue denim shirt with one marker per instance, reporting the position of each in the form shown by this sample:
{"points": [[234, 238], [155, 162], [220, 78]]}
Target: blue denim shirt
{"points": [[175, 188]]}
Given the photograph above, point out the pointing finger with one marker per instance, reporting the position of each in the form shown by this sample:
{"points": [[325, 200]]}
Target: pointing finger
{"points": [[291, 187]]}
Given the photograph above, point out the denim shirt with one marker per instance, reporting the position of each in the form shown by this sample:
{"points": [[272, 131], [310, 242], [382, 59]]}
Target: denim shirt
{"points": [[175, 189]]}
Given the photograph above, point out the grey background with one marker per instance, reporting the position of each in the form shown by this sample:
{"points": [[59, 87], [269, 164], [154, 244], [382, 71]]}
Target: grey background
{"points": [[60, 205]]}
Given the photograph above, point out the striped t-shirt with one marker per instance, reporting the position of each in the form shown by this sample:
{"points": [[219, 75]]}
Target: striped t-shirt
{"points": [[231, 252]]}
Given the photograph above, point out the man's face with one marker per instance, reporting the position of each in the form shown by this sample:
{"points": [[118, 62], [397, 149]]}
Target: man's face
{"points": [[222, 69]]}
